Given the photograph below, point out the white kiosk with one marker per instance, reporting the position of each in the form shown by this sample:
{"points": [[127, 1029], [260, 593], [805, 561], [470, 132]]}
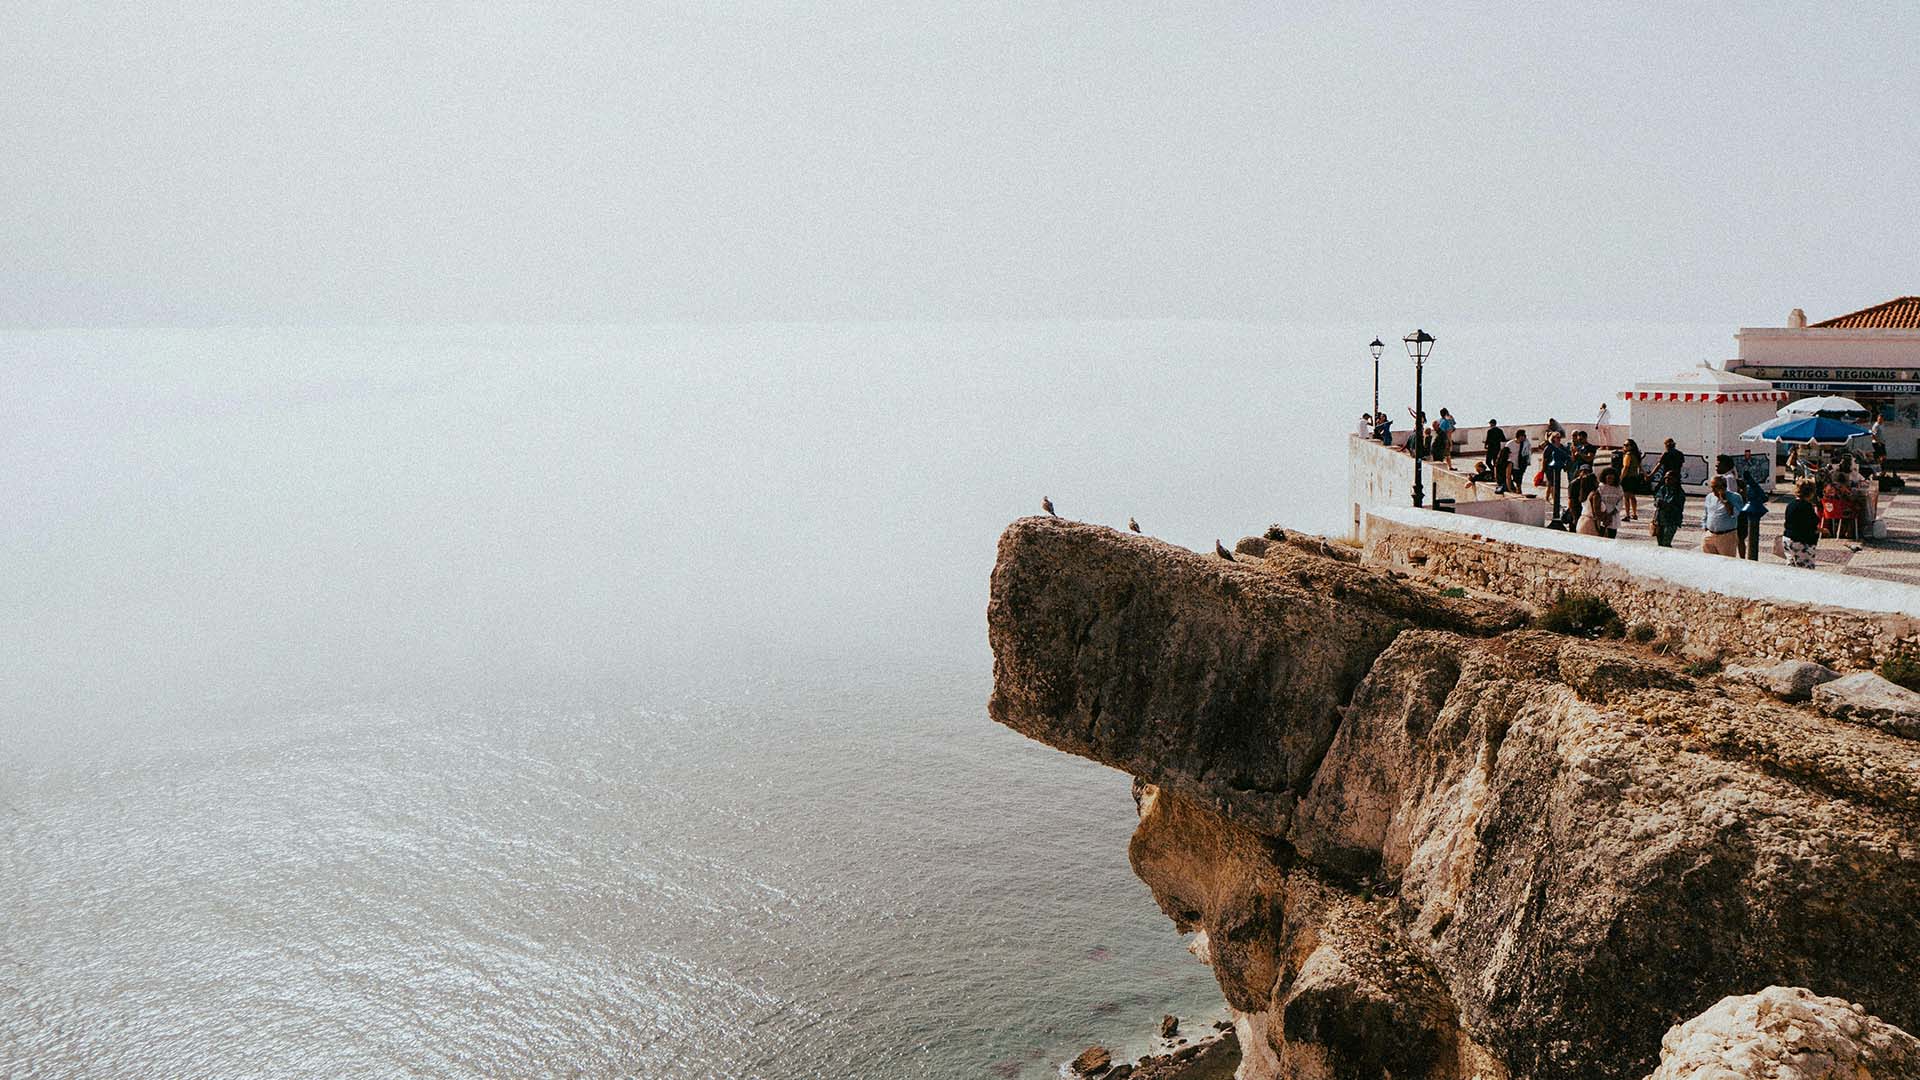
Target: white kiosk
{"points": [[1703, 410]]}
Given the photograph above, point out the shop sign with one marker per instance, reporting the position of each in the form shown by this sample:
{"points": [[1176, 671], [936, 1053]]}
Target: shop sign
{"points": [[1848, 388]]}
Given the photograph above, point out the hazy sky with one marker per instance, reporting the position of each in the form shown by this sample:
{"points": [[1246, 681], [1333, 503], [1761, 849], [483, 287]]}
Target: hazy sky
{"points": [[391, 162]]}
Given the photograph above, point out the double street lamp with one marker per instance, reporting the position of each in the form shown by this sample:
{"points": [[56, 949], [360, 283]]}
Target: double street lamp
{"points": [[1419, 347]]}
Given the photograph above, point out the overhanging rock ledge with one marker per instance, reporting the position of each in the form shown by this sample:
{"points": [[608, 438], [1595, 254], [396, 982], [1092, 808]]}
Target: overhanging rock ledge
{"points": [[1424, 841]]}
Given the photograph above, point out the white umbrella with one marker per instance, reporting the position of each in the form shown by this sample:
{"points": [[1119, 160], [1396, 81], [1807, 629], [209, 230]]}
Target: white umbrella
{"points": [[1823, 406]]}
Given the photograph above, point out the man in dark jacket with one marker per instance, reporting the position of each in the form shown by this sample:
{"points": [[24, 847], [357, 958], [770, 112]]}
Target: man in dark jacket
{"points": [[1671, 460], [1495, 438]]}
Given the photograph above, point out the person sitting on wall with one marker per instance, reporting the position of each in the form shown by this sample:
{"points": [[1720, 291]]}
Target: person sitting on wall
{"points": [[1482, 473]]}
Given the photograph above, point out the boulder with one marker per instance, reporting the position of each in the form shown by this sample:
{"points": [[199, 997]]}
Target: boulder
{"points": [[1866, 698], [1788, 680], [1787, 1033], [1168, 1025], [1092, 1060]]}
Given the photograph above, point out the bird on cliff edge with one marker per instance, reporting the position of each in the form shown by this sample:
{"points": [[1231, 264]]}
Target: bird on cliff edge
{"points": [[1132, 525], [1047, 505], [1220, 549]]}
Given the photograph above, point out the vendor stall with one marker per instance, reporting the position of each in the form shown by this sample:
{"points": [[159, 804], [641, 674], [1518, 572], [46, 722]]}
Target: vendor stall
{"points": [[1704, 410]]}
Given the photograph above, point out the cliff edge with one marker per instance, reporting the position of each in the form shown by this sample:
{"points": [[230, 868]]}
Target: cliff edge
{"points": [[1424, 841]]}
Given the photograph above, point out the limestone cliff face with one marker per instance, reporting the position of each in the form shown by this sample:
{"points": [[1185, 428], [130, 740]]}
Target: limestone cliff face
{"points": [[1424, 842]]}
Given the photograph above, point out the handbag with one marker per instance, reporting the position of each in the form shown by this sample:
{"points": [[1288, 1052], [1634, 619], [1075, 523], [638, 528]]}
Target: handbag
{"points": [[1779, 547]]}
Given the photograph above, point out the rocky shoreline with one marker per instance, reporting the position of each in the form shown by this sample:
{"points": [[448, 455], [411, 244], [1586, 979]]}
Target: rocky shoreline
{"points": [[1422, 837], [1213, 1056]]}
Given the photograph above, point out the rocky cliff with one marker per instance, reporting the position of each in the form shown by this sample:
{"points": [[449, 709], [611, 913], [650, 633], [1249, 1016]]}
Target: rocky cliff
{"points": [[1422, 840]]}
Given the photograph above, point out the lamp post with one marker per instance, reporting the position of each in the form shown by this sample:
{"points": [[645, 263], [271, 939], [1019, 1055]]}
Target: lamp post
{"points": [[1374, 347], [1419, 347]]}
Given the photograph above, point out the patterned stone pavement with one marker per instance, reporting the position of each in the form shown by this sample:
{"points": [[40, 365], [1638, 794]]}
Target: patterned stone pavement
{"points": [[1894, 557]]}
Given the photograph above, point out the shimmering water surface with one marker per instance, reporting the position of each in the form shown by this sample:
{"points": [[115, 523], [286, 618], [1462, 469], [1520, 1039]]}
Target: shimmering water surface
{"points": [[489, 702]]}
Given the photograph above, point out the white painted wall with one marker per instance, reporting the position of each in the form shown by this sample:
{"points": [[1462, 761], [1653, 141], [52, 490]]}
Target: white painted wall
{"points": [[1704, 429], [1781, 347], [1382, 477]]}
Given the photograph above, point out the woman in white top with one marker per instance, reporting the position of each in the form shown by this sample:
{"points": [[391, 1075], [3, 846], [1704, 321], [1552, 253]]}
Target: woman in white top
{"points": [[1602, 516]]}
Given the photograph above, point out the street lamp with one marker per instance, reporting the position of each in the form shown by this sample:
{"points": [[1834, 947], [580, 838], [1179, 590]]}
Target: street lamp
{"points": [[1419, 347], [1375, 348]]}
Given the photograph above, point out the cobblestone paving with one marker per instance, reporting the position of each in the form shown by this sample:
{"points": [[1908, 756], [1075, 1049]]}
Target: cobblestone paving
{"points": [[1894, 557]]}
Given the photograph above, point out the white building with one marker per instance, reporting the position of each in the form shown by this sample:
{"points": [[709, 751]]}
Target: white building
{"points": [[1871, 355], [1703, 410]]}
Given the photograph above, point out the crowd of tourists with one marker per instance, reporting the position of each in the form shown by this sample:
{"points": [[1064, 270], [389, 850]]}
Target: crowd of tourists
{"points": [[1594, 491]]}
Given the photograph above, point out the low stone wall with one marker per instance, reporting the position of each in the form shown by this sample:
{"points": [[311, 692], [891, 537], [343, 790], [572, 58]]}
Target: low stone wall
{"points": [[1378, 476], [1685, 606]]}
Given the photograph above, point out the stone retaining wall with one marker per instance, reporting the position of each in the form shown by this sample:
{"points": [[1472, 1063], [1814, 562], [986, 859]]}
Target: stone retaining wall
{"points": [[1703, 619]]}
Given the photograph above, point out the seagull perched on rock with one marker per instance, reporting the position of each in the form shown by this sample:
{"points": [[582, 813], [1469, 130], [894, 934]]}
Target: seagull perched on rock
{"points": [[1047, 505], [1220, 549], [1132, 525]]}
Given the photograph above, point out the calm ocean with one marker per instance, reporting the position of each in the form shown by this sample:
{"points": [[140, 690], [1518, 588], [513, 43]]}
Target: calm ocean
{"points": [[610, 701]]}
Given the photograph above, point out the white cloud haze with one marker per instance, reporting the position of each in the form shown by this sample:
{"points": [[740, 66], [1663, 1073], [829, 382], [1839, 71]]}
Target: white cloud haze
{"points": [[200, 162]]}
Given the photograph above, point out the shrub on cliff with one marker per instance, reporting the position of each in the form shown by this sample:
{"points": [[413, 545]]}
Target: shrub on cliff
{"points": [[1582, 615], [1902, 668]]}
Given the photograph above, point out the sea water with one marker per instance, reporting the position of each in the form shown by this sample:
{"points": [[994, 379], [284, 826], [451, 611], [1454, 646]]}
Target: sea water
{"points": [[610, 701]]}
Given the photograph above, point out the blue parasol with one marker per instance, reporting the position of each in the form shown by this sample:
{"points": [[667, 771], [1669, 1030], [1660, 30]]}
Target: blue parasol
{"points": [[1807, 429]]}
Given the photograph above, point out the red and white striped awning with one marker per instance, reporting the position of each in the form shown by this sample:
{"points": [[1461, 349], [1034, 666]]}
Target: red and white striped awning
{"points": [[1704, 397]]}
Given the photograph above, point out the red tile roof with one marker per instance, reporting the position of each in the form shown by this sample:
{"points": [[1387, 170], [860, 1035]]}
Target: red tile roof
{"points": [[1901, 313]]}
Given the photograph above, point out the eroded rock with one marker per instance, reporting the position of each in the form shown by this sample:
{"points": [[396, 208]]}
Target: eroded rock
{"points": [[1092, 1060], [1788, 680], [1220, 680], [1787, 1033], [1866, 698], [1406, 833]]}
